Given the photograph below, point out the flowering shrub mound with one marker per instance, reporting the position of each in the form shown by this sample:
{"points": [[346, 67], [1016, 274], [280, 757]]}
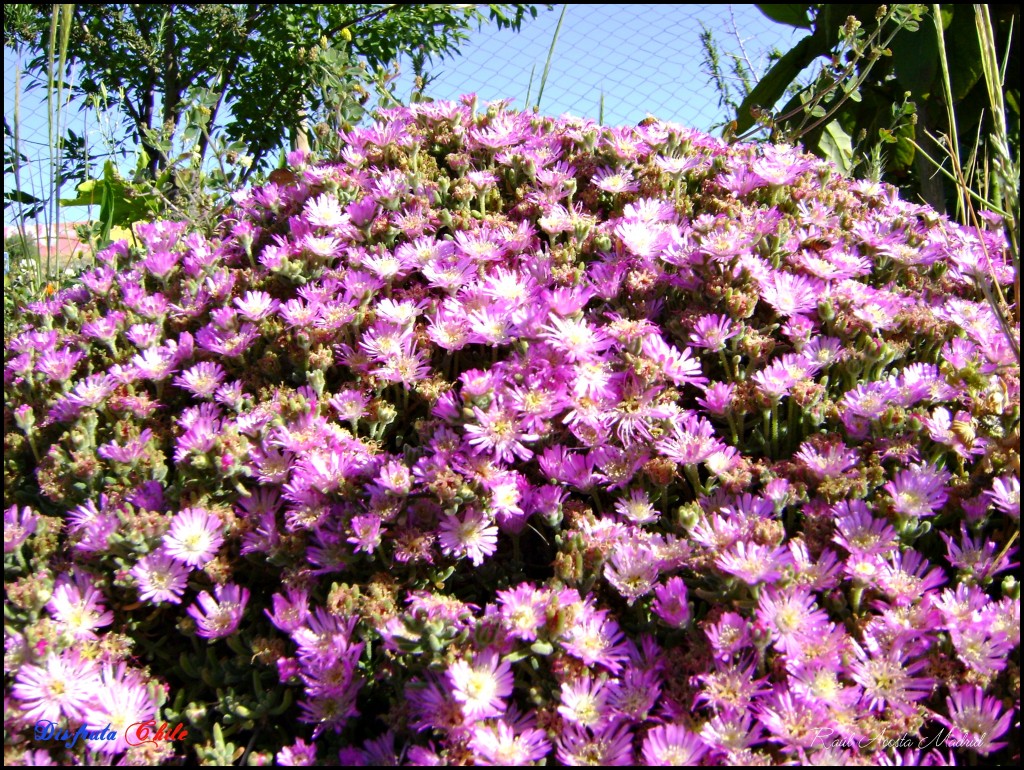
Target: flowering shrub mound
{"points": [[504, 439]]}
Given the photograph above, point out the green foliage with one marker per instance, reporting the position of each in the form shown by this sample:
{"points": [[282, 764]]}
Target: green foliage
{"points": [[737, 82], [881, 90], [258, 70], [793, 14], [19, 247], [210, 94]]}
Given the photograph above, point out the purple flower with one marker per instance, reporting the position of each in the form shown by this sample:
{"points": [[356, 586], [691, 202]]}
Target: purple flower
{"points": [[889, 679], [732, 732], [217, 618], [367, 533], [637, 508], [122, 698], [670, 602], [793, 722], [976, 557], [866, 402], [919, 491], [774, 382], [906, 577], [680, 368], [62, 687], [202, 380], [791, 616], [482, 686], [585, 702], [729, 635], [826, 459], [499, 744], [611, 745], [523, 611], [226, 342], [129, 453], [859, 532], [298, 754], [58, 365], [618, 180], [160, 578], [976, 720], [672, 746], [712, 331], [790, 294], [194, 537], [596, 639], [691, 441], [78, 609], [18, 526], [575, 339], [982, 649], [718, 398], [753, 563], [498, 431], [473, 535], [92, 391], [1005, 495], [632, 570]]}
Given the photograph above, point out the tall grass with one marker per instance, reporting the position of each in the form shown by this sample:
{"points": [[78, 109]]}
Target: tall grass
{"points": [[992, 177], [551, 55], [41, 186]]}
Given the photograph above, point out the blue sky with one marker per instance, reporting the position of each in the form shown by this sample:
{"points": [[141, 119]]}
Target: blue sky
{"points": [[643, 59]]}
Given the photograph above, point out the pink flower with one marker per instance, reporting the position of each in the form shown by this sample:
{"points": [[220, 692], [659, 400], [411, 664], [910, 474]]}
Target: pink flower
{"points": [[481, 687], [632, 570], [523, 611], [612, 745], [711, 332], [680, 368], [202, 379], [498, 431], [160, 578], [1005, 495], [194, 537], [474, 535], [61, 688], [78, 608], [585, 701], [499, 744], [217, 618], [672, 746], [919, 491], [18, 526], [122, 700], [976, 720], [670, 602], [596, 639], [754, 563], [615, 180]]}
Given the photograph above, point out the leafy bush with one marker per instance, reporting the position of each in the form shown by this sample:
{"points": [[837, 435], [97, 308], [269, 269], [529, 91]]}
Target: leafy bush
{"points": [[502, 438]]}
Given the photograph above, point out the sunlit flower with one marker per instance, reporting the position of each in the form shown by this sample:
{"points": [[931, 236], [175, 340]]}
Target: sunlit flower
{"points": [[482, 686]]}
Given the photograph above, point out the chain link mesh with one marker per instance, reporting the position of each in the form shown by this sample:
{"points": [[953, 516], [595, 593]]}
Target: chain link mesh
{"points": [[614, 63]]}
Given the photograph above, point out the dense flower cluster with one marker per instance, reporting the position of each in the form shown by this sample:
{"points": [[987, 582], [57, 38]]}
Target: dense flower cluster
{"points": [[504, 439]]}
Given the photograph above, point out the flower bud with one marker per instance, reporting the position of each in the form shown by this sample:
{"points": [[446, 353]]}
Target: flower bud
{"points": [[688, 515], [25, 418], [1011, 587]]}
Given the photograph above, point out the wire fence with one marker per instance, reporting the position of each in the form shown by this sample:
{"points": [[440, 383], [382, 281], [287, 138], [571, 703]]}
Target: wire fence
{"points": [[612, 63], [624, 62]]}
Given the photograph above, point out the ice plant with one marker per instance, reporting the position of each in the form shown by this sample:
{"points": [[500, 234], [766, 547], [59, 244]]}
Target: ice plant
{"points": [[504, 439]]}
